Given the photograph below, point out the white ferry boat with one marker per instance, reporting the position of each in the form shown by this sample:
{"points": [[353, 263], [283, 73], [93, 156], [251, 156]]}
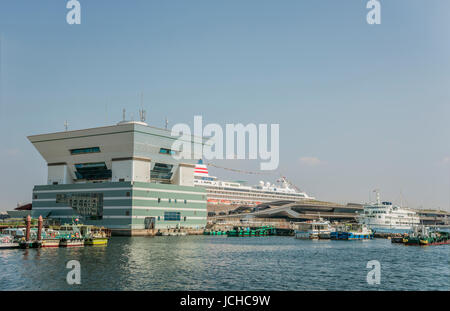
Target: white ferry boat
{"points": [[317, 229], [237, 194], [386, 217]]}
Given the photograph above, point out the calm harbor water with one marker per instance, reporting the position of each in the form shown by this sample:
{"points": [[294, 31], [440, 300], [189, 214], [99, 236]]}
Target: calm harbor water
{"points": [[221, 263]]}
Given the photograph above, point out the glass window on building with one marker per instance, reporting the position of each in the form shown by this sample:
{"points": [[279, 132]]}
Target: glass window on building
{"points": [[167, 151], [161, 173], [84, 150], [92, 171], [89, 205], [172, 216]]}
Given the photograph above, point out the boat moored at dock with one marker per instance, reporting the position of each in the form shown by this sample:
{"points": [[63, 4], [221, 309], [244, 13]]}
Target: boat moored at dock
{"points": [[352, 232], [8, 241], [384, 217], [251, 232], [316, 229], [423, 236], [94, 235], [71, 242]]}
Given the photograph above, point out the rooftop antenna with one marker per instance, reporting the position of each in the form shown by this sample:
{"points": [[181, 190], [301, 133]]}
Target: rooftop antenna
{"points": [[142, 114], [66, 125], [123, 114], [377, 191], [167, 123]]}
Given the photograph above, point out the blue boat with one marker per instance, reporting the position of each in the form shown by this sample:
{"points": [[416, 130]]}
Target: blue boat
{"points": [[352, 232]]}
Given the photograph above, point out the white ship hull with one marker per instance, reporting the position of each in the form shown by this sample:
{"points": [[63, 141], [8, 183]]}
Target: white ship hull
{"points": [[385, 217], [233, 194]]}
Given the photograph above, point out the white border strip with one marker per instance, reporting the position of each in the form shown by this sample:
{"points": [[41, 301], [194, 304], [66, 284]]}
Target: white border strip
{"points": [[81, 190], [121, 188], [180, 201], [153, 208]]}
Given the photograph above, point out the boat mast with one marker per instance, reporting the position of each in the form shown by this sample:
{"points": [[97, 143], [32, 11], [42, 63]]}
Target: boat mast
{"points": [[378, 196]]}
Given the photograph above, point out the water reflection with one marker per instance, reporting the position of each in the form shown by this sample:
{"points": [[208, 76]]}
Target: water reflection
{"points": [[221, 263]]}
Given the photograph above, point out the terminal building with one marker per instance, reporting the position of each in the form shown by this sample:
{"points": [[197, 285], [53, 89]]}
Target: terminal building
{"points": [[123, 177]]}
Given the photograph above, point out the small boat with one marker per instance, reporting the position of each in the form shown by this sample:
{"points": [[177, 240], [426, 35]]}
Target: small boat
{"points": [[422, 236], [397, 239], [352, 232], [181, 233], [94, 235], [8, 241], [96, 241], [71, 242], [249, 232], [50, 238], [50, 242], [316, 229]]}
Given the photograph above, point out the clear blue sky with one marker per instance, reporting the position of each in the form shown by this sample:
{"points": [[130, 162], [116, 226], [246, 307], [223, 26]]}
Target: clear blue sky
{"points": [[369, 106]]}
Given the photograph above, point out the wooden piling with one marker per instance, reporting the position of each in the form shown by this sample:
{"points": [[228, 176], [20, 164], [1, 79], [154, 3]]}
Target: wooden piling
{"points": [[39, 232], [28, 223]]}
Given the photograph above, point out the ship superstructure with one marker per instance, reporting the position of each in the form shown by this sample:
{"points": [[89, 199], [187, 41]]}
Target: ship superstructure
{"points": [[384, 216], [231, 193]]}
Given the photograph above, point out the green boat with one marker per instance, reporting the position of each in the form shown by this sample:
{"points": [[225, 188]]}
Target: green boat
{"points": [[423, 236], [251, 232]]}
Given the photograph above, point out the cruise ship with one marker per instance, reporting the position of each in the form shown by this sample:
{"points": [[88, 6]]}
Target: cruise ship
{"points": [[386, 217], [233, 194]]}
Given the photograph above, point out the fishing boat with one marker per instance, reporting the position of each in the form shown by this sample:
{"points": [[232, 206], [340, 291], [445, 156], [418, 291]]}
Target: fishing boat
{"points": [[423, 236], [315, 229], [436, 238], [352, 232]]}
